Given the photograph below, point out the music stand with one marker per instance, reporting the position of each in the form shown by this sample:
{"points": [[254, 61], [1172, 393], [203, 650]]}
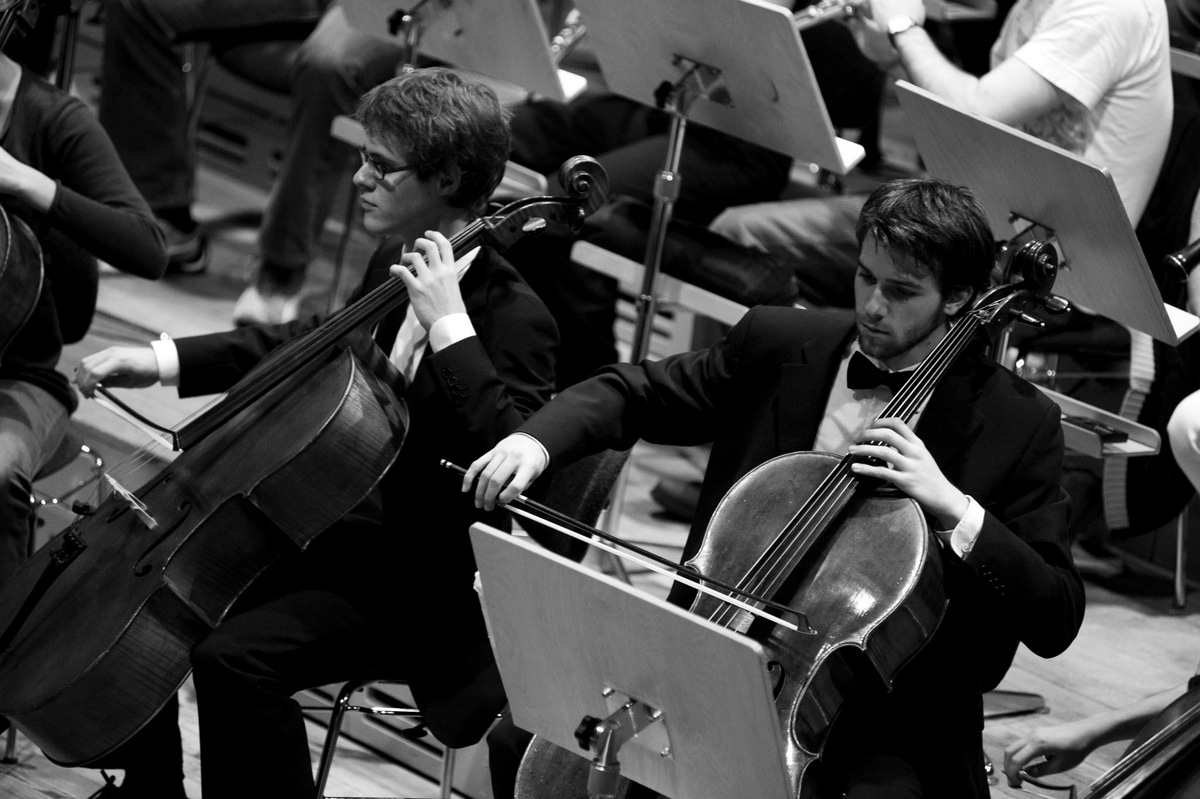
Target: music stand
{"points": [[502, 39], [1021, 179], [565, 636], [737, 66]]}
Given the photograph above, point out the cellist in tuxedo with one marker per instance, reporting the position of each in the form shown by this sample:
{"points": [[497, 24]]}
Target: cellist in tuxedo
{"points": [[982, 460], [388, 590]]}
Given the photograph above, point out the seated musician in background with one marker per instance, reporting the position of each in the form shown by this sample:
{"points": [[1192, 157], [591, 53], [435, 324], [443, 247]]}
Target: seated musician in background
{"points": [[1062, 747], [60, 175], [436, 146], [145, 105], [1091, 77], [982, 460]]}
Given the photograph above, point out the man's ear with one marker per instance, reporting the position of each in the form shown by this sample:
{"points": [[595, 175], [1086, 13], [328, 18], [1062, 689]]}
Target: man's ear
{"points": [[449, 180], [956, 299]]}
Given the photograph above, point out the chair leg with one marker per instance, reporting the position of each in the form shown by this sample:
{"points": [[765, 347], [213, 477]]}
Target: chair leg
{"points": [[612, 517], [10, 747], [1181, 560], [331, 735], [447, 788]]}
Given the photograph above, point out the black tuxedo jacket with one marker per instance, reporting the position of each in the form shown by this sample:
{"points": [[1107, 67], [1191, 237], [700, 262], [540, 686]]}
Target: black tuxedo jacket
{"points": [[762, 391], [461, 402]]}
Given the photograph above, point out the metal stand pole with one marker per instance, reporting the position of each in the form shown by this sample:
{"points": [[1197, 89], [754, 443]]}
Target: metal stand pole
{"points": [[666, 192]]}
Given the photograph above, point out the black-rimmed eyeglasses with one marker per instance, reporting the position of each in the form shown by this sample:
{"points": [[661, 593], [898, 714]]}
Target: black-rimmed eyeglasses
{"points": [[381, 169]]}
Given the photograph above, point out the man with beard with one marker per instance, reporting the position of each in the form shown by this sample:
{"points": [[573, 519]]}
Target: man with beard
{"points": [[982, 459]]}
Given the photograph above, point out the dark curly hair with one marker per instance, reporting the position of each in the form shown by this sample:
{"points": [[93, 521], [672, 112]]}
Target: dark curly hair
{"points": [[939, 225]]}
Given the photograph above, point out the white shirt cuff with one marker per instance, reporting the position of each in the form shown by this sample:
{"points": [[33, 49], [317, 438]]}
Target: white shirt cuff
{"points": [[962, 538], [541, 446], [168, 361], [450, 329]]}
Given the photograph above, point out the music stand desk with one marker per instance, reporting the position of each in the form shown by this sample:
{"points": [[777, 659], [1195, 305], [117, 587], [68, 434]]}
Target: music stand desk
{"points": [[772, 94], [1185, 63], [563, 634], [503, 39], [1013, 173]]}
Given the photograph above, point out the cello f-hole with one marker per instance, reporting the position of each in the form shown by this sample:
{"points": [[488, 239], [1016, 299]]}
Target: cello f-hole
{"points": [[778, 675], [141, 569]]}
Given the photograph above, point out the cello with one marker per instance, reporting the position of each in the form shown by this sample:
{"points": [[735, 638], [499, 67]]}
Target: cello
{"points": [[21, 276], [96, 629], [21, 269], [1161, 761], [856, 560]]}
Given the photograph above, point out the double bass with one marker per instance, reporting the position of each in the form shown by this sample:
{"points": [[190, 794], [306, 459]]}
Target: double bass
{"points": [[855, 558], [96, 629]]}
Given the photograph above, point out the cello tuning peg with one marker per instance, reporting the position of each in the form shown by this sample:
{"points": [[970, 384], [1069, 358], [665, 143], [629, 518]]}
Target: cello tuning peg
{"points": [[1029, 319], [1056, 304]]}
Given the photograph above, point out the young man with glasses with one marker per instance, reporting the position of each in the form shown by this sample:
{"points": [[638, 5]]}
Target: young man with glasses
{"points": [[477, 348]]}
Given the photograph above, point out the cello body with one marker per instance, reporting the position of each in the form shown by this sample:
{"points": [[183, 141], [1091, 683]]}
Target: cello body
{"points": [[21, 276], [871, 588], [1161, 762], [139, 598]]}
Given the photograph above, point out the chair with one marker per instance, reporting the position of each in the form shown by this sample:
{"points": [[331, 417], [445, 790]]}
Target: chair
{"points": [[581, 490], [73, 449], [342, 705]]}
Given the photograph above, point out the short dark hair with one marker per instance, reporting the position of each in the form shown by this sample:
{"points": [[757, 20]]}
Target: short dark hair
{"points": [[939, 225], [441, 119]]}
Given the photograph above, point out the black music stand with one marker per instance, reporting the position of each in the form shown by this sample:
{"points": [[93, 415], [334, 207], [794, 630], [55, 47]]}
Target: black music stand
{"points": [[503, 39], [572, 643]]}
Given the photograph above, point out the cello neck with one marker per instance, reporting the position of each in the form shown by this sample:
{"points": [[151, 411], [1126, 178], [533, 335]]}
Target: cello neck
{"points": [[587, 185], [316, 347]]}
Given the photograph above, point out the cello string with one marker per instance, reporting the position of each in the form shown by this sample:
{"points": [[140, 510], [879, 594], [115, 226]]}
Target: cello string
{"points": [[841, 482], [375, 303], [676, 577], [819, 510]]}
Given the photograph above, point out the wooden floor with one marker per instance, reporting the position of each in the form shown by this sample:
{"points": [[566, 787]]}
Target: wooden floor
{"points": [[1130, 646]]}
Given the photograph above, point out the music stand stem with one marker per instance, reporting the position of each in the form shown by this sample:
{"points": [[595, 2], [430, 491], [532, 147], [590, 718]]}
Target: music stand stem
{"points": [[666, 192]]}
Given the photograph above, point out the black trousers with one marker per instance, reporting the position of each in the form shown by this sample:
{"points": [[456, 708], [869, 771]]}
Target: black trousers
{"points": [[301, 625]]}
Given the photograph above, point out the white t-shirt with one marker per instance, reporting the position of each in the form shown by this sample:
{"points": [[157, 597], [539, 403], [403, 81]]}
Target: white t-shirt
{"points": [[1112, 57]]}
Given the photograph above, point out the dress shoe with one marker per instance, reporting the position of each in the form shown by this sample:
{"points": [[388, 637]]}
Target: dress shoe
{"points": [[1096, 560], [255, 307], [187, 252], [678, 498], [273, 298]]}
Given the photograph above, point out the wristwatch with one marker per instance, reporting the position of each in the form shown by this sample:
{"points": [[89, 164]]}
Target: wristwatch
{"points": [[899, 24]]}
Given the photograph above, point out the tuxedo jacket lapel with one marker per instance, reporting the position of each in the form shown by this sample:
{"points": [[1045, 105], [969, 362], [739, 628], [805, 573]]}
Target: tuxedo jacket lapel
{"points": [[952, 415], [806, 384]]}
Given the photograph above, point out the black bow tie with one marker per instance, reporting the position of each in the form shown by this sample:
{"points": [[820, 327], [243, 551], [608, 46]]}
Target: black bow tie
{"points": [[862, 374]]}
